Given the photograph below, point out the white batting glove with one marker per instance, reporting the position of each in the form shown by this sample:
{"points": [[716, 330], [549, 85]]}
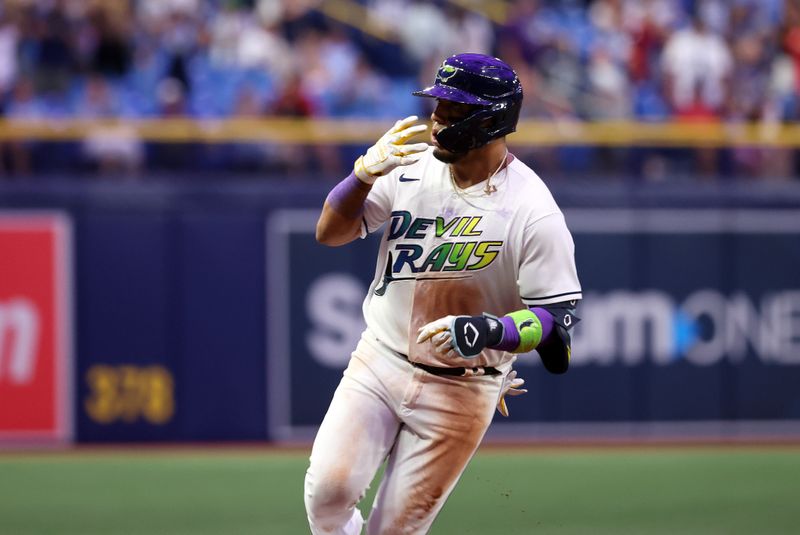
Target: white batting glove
{"points": [[466, 336], [440, 336], [390, 151], [512, 386]]}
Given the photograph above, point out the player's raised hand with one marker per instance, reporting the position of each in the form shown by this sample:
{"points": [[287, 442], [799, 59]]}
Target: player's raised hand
{"points": [[512, 386], [391, 151]]}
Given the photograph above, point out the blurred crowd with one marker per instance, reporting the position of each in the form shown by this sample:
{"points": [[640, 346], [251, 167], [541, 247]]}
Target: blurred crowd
{"points": [[650, 60]]}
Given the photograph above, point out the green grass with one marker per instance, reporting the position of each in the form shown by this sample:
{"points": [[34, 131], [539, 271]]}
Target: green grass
{"points": [[611, 491]]}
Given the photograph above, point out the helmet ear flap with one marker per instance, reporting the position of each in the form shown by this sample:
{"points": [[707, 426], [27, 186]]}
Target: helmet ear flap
{"points": [[506, 115], [468, 133], [478, 129]]}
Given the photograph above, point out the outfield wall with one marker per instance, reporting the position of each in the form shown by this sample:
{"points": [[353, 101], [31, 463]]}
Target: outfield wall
{"points": [[185, 311]]}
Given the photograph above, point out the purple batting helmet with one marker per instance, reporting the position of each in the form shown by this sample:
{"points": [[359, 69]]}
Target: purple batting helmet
{"points": [[482, 81]]}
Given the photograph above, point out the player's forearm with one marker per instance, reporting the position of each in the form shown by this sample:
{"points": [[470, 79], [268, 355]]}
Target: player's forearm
{"points": [[520, 331], [340, 221], [524, 330]]}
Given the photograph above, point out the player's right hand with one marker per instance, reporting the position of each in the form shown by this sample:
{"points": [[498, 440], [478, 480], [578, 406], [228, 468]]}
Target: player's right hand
{"points": [[390, 151]]}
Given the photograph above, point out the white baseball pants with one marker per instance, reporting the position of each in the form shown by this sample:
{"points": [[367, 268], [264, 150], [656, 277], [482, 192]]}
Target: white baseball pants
{"points": [[429, 427]]}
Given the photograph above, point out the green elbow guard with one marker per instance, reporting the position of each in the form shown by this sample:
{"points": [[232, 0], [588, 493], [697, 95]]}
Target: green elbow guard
{"points": [[529, 328]]}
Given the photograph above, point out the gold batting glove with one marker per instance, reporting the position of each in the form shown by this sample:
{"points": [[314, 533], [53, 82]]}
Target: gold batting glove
{"points": [[390, 151], [512, 386]]}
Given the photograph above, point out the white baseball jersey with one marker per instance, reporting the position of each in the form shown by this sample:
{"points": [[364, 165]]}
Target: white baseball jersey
{"points": [[462, 252]]}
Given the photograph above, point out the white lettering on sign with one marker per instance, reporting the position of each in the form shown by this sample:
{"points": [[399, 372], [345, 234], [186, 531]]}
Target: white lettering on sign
{"points": [[19, 337], [704, 329], [333, 304]]}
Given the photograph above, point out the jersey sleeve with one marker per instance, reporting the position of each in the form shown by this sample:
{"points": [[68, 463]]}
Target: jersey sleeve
{"points": [[378, 205], [547, 272]]}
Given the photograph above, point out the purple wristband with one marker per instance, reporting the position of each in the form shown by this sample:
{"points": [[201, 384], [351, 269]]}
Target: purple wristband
{"points": [[344, 198], [510, 340]]}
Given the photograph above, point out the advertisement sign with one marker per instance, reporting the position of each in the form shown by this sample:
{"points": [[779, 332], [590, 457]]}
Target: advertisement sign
{"points": [[35, 326], [305, 365], [171, 325], [691, 321], [125, 376]]}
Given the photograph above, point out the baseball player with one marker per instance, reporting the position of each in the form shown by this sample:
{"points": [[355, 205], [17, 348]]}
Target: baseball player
{"points": [[475, 264]]}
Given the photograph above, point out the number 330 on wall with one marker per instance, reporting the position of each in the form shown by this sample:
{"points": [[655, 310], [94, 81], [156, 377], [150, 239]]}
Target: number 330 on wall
{"points": [[129, 393]]}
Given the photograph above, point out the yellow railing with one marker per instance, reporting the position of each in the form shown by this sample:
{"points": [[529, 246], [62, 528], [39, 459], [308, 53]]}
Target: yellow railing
{"points": [[356, 15], [642, 134], [494, 10], [352, 131]]}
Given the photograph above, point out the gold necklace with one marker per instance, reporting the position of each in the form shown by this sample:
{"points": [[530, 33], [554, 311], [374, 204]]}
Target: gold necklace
{"points": [[490, 188]]}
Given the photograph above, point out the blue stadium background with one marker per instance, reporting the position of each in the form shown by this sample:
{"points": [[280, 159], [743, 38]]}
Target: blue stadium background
{"points": [[196, 258]]}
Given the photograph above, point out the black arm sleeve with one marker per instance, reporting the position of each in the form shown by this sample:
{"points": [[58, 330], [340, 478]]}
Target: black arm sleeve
{"points": [[555, 351]]}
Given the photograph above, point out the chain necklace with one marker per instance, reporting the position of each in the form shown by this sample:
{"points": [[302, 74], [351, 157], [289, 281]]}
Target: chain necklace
{"points": [[489, 189]]}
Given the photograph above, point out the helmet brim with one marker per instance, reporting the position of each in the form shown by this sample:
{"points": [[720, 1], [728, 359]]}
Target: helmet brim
{"points": [[452, 94]]}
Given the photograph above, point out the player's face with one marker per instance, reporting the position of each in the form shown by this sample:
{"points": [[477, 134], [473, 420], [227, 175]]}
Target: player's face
{"points": [[445, 114]]}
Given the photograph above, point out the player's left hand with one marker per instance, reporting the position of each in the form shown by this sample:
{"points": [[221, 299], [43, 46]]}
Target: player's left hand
{"points": [[464, 336], [391, 150], [512, 386]]}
